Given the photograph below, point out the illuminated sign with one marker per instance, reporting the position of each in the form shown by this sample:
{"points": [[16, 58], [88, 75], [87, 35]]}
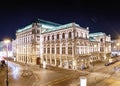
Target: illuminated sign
{"points": [[83, 81]]}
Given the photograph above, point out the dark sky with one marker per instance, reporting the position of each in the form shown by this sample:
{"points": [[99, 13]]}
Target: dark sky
{"points": [[99, 16]]}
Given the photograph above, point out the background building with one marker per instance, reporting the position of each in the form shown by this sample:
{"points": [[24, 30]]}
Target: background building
{"points": [[115, 47], [3, 50]]}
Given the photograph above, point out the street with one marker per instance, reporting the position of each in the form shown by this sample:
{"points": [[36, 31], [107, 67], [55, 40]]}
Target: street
{"points": [[32, 75]]}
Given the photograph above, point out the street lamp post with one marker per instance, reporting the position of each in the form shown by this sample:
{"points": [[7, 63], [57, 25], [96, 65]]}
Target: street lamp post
{"points": [[7, 41]]}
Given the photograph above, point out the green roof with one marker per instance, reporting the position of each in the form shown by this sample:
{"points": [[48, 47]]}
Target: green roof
{"points": [[60, 27], [92, 39], [96, 34], [25, 28], [65, 26], [48, 22], [44, 23], [48, 26]]}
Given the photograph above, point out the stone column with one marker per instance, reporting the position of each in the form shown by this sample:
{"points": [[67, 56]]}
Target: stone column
{"points": [[46, 58], [50, 54], [60, 55], [55, 61], [55, 55]]}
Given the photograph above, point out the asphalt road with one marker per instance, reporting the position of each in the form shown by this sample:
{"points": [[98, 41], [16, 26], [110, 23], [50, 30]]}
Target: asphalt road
{"points": [[31, 75]]}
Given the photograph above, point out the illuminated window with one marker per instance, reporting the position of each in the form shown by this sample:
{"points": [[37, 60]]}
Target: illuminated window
{"points": [[69, 50], [63, 50]]}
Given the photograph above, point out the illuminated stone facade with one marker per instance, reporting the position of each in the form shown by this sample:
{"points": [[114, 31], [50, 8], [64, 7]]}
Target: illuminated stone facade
{"points": [[27, 44], [104, 45], [67, 46], [62, 47]]}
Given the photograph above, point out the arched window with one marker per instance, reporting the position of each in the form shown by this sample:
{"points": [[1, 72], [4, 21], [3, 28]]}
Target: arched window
{"points": [[38, 31], [52, 37], [63, 35], [86, 36], [77, 34], [101, 40], [48, 37], [57, 36], [70, 35], [81, 34]]}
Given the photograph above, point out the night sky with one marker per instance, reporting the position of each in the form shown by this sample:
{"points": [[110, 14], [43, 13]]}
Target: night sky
{"points": [[99, 16]]}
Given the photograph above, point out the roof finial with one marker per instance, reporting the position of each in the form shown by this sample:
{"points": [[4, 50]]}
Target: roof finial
{"points": [[87, 28]]}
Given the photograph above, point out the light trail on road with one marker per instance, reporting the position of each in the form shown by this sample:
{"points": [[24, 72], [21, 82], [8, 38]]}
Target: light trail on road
{"points": [[15, 70]]}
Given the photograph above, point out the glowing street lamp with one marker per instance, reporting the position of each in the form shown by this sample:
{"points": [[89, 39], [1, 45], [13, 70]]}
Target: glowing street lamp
{"points": [[7, 41], [118, 44]]}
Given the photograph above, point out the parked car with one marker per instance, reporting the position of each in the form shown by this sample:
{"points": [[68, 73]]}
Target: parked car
{"points": [[111, 62]]}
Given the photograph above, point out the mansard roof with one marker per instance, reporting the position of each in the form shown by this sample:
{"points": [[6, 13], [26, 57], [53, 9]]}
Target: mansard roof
{"points": [[96, 34], [44, 23], [92, 39], [49, 26], [48, 22], [61, 27]]}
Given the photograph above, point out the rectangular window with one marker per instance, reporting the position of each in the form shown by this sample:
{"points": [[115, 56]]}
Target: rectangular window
{"points": [[38, 49], [102, 49], [48, 50], [58, 50], [38, 39], [63, 50], [44, 50], [38, 36], [69, 50], [57, 36], [53, 50], [77, 50]]}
